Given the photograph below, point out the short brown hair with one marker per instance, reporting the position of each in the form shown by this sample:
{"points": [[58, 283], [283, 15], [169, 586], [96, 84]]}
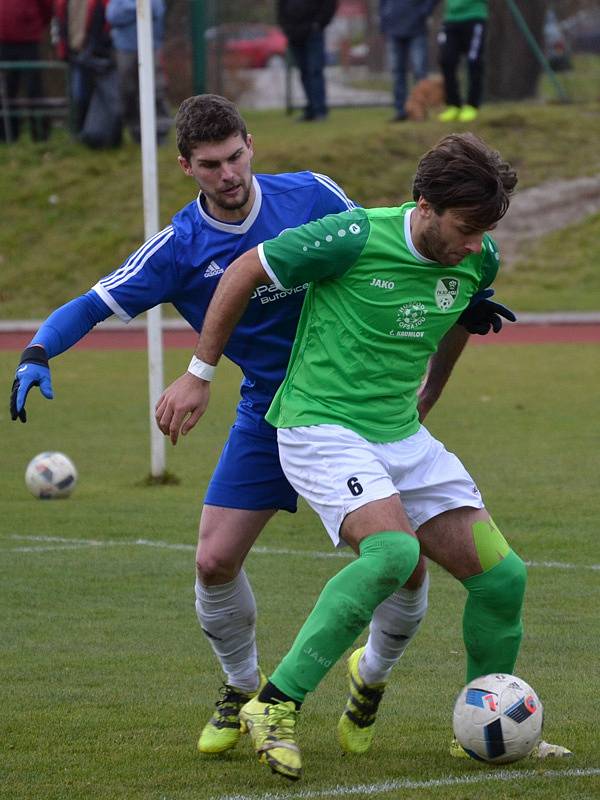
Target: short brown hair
{"points": [[461, 172], [206, 118]]}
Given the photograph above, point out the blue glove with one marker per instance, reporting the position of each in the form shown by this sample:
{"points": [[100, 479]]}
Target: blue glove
{"points": [[483, 315], [33, 370]]}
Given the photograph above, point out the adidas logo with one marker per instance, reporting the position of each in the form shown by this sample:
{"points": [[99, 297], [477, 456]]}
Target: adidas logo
{"points": [[213, 269]]}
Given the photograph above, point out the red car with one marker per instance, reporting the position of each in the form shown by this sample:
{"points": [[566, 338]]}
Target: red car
{"points": [[249, 45]]}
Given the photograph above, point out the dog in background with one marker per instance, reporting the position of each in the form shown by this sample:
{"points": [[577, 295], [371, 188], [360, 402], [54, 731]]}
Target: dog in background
{"points": [[426, 94]]}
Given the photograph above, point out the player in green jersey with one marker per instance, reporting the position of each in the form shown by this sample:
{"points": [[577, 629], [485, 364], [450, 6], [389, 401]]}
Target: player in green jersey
{"points": [[387, 289]]}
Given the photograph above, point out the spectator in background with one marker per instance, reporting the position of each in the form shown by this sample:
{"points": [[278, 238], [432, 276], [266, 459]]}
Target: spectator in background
{"points": [[463, 34], [23, 25], [404, 23], [121, 15], [304, 23], [84, 41]]}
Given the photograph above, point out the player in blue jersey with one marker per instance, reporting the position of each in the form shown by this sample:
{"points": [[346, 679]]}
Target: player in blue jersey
{"points": [[234, 211]]}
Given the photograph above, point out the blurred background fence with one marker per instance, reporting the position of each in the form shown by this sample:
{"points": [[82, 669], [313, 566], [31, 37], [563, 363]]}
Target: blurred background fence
{"points": [[235, 48]]}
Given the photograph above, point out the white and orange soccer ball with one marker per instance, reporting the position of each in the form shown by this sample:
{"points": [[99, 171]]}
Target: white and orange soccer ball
{"points": [[498, 719], [51, 476]]}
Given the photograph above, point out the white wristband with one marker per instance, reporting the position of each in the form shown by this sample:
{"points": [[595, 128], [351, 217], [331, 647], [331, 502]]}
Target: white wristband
{"points": [[201, 369]]}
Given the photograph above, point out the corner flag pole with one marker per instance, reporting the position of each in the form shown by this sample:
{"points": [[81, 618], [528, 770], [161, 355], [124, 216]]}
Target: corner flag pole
{"points": [[150, 193]]}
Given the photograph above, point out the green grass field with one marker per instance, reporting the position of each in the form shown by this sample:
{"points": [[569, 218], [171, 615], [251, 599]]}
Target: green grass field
{"points": [[107, 680]]}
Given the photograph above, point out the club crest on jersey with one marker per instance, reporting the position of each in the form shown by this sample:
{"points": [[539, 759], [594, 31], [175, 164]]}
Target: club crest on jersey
{"points": [[446, 293], [411, 315]]}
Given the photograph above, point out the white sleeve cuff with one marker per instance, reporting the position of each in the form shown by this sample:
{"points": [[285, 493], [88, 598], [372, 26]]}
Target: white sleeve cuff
{"points": [[111, 302], [267, 267]]}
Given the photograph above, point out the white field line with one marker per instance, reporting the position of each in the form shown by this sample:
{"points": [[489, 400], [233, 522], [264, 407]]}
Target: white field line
{"points": [[385, 787], [49, 543]]}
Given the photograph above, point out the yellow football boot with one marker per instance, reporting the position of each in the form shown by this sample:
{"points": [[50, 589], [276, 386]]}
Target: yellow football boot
{"points": [[271, 728], [355, 728], [222, 731]]}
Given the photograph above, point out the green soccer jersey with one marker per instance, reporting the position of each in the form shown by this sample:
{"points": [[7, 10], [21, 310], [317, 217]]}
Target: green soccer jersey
{"points": [[461, 10], [374, 313]]}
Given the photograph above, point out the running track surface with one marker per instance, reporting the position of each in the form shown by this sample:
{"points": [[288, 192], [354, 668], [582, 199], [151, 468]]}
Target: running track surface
{"points": [[135, 338]]}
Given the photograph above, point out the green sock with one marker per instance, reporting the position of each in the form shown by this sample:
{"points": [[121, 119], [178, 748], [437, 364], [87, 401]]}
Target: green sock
{"points": [[492, 625], [344, 608]]}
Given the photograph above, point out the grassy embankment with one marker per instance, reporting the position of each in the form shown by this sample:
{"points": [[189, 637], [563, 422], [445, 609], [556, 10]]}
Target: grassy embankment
{"points": [[71, 214]]}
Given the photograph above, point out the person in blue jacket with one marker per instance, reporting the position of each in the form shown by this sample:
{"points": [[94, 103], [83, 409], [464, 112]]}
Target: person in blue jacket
{"points": [[404, 24], [121, 16]]}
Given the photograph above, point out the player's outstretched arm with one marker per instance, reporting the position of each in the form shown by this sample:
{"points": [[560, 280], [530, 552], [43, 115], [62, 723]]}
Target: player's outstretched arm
{"points": [[440, 367], [184, 402], [58, 333]]}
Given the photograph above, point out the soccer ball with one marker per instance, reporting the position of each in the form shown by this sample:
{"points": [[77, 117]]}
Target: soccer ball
{"points": [[50, 475], [498, 718]]}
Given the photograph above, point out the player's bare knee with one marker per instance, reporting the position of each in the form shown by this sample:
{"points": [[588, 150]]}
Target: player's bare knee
{"points": [[212, 569]]}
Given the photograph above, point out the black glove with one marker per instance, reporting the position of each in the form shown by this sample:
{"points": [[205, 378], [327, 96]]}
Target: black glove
{"points": [[33, 370], [483, 315]]}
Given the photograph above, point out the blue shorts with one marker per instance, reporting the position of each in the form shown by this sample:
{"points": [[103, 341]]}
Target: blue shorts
{"points": [[248, 475]]}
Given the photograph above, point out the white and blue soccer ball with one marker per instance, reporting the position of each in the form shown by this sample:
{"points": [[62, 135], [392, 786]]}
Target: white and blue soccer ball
{"points": [[498, 719], [50, 476]]}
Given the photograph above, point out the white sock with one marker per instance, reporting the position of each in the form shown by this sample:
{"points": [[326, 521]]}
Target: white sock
{"points": [[227, 615], [392, 628]]}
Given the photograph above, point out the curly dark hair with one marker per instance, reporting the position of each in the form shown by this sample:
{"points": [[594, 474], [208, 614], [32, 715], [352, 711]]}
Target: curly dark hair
{"points": [[206, 118], [461, 172]]}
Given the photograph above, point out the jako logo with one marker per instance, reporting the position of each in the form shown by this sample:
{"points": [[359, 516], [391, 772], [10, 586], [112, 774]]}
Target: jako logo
{"points": [[381, 284], [323, 660]]}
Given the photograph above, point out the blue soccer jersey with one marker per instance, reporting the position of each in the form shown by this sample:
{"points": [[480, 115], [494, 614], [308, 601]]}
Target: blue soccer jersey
{"points": [[183, 263]]}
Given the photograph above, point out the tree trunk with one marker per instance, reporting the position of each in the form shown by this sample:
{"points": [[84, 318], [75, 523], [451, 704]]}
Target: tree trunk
{"points": [[512, 69]]}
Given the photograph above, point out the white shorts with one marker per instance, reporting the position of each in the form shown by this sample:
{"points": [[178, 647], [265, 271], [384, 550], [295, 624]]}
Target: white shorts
{"points": [[337, 471]]}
